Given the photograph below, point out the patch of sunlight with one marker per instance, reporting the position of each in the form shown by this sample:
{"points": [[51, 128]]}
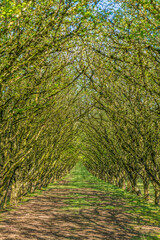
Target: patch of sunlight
{"points": [[73, 209], [144, 237], [109, 207]]}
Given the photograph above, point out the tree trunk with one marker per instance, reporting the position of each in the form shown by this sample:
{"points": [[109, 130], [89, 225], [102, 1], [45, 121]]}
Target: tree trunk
{"points": [[128, 186], [157, 195], [146, 189], [123, 184], [135, 189]]}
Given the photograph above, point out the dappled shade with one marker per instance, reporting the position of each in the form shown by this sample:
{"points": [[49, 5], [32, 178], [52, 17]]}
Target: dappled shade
{"points": [[77, 207]]}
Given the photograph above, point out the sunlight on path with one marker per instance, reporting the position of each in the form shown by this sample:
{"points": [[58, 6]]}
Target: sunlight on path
{"points": [[78, 207]]}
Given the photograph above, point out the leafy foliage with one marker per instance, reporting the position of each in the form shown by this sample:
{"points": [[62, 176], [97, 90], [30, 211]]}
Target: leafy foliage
{"points": [[78, 82]]}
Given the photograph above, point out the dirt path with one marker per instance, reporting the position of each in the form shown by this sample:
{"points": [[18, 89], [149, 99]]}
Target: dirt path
{"points": [[71, 213]]}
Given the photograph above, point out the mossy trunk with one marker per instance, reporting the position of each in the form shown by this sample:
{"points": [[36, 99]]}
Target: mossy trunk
{"points": [[146, 189], [135, 188], [14, 193], [128, 186], [122, 183], [6, 195], [157, 195]]}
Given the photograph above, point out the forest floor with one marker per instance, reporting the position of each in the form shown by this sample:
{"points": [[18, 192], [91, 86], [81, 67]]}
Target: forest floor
{"points": [[81, 207]]}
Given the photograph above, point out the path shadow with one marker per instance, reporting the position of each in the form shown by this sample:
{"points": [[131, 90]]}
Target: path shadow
{"points": [[78, 214]]}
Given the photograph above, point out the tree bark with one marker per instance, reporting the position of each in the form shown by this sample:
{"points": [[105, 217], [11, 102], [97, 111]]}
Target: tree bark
{"points": [[157, 195], [146, 189]]}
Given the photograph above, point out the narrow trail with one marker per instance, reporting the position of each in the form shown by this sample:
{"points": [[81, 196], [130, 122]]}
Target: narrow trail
{"points": [[76, 209]]}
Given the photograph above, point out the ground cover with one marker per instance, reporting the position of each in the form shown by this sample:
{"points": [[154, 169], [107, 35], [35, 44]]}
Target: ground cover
{"points": [[80, 206]]}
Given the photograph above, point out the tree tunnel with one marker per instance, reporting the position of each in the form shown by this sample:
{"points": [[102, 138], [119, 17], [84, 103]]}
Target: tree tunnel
{"points": [[79, 82]]}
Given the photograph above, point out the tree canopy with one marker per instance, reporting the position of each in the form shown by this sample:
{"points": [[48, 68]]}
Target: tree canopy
{"points": [[79, 81]]}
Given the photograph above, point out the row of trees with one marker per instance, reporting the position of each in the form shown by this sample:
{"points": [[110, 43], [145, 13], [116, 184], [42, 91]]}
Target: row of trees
{"points": [[39, 95], [122, 133], [78, 79]]}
